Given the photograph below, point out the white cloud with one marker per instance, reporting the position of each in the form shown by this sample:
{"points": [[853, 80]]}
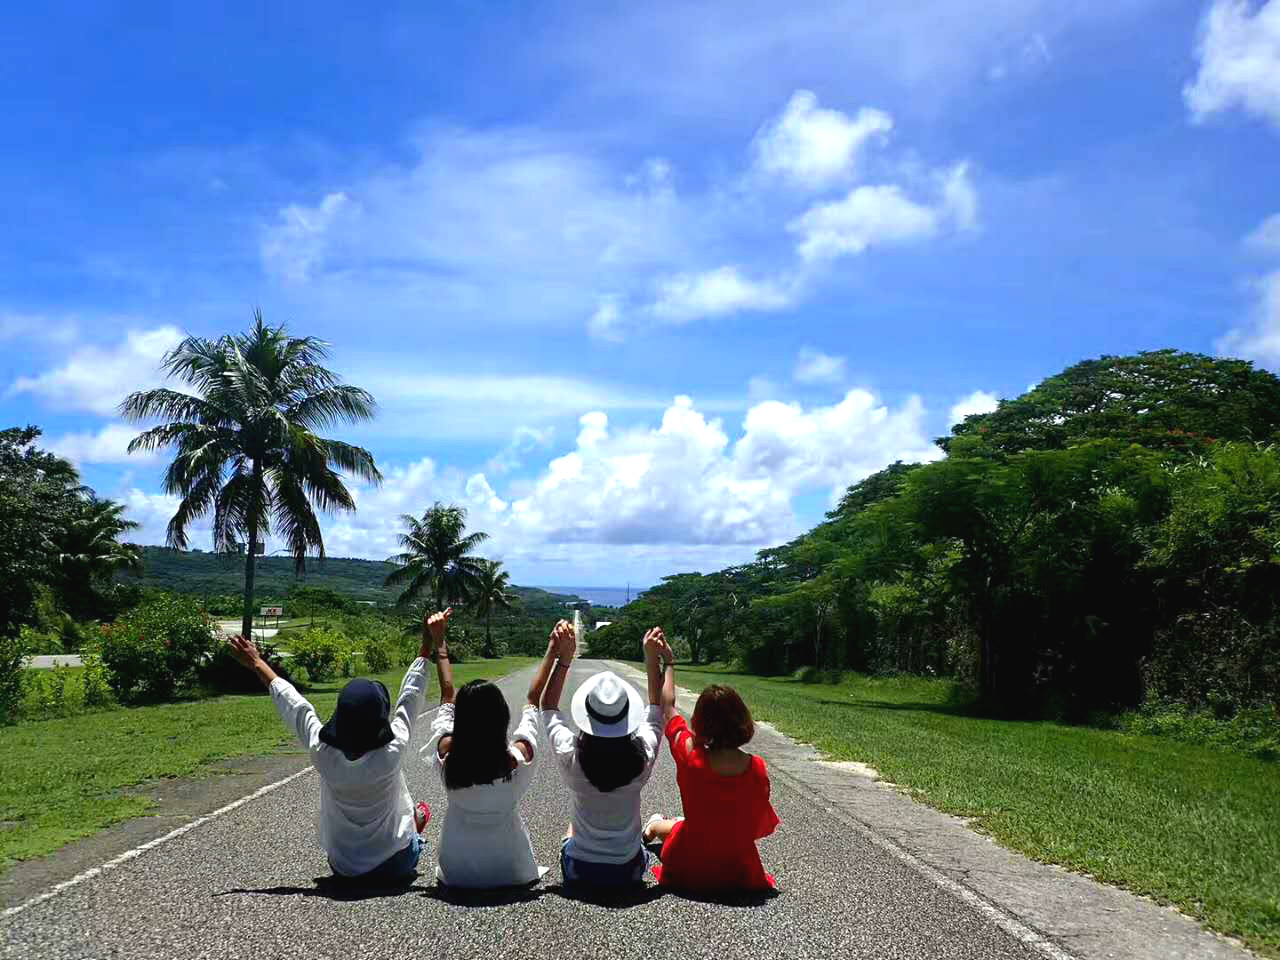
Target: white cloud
{"points": [[296, 244], [959, 198], [30, 326], [813, 147], [867, 216], [980, 401], [107, 445], [606, 323], [689, 296], [1260, 339], [524, 440], [1239, 54], [762, 388], [1265, 238], [814, 366], [95, 379]]}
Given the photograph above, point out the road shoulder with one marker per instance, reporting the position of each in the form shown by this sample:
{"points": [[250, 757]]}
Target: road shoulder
{"points": [[1077, 915]]}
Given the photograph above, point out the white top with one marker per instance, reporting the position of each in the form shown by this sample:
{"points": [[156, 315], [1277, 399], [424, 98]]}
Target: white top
{"points": [[484, 842], [606, 826], [366, 813]]}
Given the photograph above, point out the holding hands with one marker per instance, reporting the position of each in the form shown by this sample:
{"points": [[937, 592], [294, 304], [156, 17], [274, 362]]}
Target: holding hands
{"points": [[564, 640], [656, 646]]}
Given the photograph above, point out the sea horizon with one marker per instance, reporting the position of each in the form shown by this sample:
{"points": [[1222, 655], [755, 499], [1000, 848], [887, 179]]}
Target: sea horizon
{"points": [[597, 596]]}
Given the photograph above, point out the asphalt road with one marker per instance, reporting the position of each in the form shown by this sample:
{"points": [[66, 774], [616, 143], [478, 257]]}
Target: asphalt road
{"points": [[244, 884]]}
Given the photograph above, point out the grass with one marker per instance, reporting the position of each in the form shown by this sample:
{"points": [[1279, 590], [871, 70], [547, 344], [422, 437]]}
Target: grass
{"points": [[67, 778], [1183, 823]]}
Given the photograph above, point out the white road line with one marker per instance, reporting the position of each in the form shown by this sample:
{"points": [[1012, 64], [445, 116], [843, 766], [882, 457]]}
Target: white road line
{"points": [[138, 851]]}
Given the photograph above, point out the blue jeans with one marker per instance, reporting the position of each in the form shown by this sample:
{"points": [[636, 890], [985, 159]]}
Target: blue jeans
{"points": [[589, 874], [398, 866]]}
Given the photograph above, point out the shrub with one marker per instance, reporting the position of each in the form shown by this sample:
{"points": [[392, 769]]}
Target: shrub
{"points": [[94, 680], [157, 650], [322, 652], [223, 673], [12, 655], [377, 656]]}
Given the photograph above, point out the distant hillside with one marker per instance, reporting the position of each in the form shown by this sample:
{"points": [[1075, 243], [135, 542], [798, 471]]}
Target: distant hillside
{"points": [[214, 574]]}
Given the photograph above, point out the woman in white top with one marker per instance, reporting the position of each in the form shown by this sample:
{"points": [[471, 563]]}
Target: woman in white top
{"points": [[484, 842], [367, 822], [605, 763]]}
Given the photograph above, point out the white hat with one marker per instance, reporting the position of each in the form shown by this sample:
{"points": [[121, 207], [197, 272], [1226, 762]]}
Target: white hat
{"points": [[607, 706]]}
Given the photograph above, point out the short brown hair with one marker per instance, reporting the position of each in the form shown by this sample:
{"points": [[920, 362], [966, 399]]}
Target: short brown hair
{"points": [[721, 720]]}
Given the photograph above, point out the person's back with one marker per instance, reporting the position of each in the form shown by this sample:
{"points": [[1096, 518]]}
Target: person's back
{"points": [[725, 795]]}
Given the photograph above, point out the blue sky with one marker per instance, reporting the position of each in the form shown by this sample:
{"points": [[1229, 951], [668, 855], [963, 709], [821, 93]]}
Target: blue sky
{"points": [[643, 286]]}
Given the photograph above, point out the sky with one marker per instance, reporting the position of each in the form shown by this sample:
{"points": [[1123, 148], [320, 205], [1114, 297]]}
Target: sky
{"points": [[644, 287]]}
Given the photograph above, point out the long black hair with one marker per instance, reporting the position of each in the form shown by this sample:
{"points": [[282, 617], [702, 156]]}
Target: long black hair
{"points": [[610, 762], [480, 752]]}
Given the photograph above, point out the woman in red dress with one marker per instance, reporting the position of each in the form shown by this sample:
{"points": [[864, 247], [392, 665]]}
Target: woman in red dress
{"points": [[725, 793]]}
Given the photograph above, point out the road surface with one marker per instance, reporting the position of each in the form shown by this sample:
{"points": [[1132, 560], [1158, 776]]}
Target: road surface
{"points": [[244, 884]]}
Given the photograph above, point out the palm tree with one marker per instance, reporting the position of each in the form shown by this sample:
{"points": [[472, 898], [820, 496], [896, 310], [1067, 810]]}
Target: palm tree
{"points": [[88, 546], [245, 441], [491, 592], [436, 556]]}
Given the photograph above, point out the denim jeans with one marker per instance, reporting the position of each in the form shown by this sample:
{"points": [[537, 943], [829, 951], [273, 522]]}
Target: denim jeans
{"points": [[590, 874], [398, 866]]}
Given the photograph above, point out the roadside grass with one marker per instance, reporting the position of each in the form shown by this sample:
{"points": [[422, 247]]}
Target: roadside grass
{"points": [[1182, 823], [67, 778]]}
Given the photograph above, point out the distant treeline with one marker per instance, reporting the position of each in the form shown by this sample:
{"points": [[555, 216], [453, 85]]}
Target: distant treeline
{"points": [[1111, 536]]}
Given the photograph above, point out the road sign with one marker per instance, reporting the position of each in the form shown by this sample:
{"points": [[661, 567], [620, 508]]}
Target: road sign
{"points": [[272, 612]]}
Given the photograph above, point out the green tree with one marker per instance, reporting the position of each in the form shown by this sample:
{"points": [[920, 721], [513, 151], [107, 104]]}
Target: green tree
{"points": [[90, 552], [435, 557], [491, 594], [245, 442], [1163, 399], [40, 493]]}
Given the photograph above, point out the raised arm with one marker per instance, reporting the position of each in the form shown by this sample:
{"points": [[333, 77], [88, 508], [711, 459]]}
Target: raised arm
{"points": [[295, 710], [566, 644], [543, 673], [668, 681], [436, 646], [654, 642]]}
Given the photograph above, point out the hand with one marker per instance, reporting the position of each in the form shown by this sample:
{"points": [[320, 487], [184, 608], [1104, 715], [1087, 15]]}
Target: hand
{"points": [[245, 651], [566, 641], [655, 642], [435, 627]]}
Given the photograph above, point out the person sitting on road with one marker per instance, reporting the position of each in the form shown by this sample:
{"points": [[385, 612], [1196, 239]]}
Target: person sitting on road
{"points": [[484, 842], [605, 765], [367, 824], [724, 792]]}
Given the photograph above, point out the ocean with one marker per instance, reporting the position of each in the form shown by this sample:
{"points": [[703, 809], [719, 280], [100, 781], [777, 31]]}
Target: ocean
{"points": [[599, 596]]}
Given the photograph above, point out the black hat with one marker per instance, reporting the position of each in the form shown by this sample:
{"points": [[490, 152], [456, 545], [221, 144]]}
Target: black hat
{"points": [[359, 723]]}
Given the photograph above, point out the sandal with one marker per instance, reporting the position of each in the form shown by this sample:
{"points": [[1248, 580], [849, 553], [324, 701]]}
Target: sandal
{"points": [[421, 815]]}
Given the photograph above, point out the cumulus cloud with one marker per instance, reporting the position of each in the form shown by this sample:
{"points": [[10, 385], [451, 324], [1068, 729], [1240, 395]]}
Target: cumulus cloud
{"points": [[1239, 54], [980, 401], [295, 245], [813, 147], [1259, 338], [94, 379], [689, 296], [108, 445], [814, 366], [867, 216], [1266, 237]]}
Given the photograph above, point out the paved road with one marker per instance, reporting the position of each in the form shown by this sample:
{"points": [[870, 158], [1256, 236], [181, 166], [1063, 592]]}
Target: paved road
{"points": [[243, 885], [49, 661]]}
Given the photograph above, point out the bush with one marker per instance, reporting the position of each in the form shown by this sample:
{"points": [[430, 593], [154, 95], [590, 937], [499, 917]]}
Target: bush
{"points": [[94, 681], [322, 652], [377, 656], [12, 655], [223, 673], [158, 650]]}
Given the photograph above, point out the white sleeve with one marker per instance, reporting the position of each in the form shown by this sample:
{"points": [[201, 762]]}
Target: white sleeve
{"points": [[409, 704], [564, 742], [441, 727], [527, 729], [649, 733], [297, 713]]}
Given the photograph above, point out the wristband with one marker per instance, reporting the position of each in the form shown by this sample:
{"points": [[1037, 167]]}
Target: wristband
{"points": [[564, 663]]}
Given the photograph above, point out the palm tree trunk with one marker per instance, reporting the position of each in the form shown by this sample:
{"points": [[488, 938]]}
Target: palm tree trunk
{"points": [[488, 634], [246, 623]]}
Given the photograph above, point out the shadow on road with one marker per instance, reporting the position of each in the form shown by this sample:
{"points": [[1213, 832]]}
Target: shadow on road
{"points": [[459, 897], [612, 899], [333, 889]]}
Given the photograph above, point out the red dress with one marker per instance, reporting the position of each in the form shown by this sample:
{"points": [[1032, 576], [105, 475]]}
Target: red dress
{"points": [[714, 847]]}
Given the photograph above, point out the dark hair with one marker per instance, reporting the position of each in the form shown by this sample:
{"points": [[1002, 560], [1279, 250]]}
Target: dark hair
{"points": [[480, 752], [610, 762], [721, 720]]}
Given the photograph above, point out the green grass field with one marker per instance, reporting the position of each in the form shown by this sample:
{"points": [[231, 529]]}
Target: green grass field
{"points": [[67, 778], [1185, 824]]}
